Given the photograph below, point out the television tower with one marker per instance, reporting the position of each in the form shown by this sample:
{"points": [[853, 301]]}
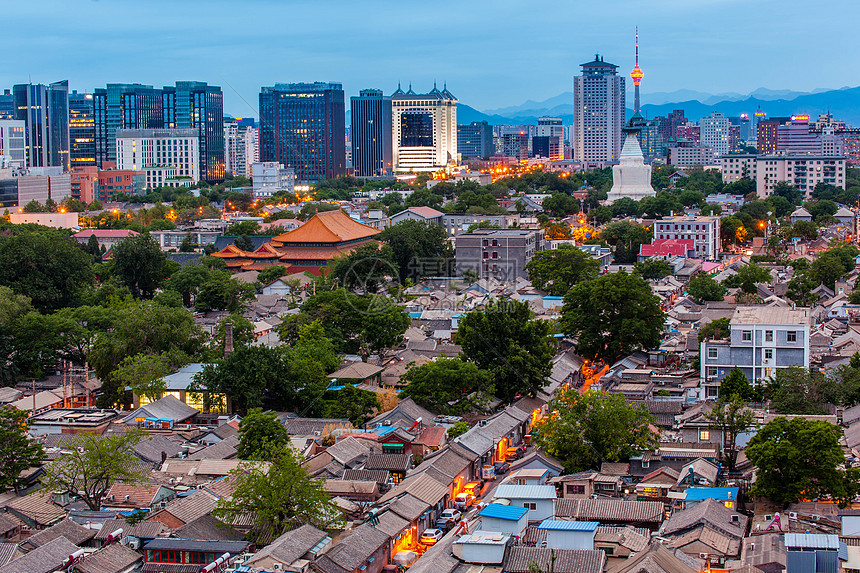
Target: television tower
{"points": [[637, 76]]}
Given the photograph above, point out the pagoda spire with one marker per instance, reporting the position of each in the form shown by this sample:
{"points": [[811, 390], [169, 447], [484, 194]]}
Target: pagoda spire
{"points": [[637, 76]]}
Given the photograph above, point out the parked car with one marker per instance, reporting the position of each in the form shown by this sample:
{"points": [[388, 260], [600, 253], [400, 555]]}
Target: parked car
{"points": [[501, 467], [431, 536], [513, 454], [452, 514], [464, 500], [444, 524]]}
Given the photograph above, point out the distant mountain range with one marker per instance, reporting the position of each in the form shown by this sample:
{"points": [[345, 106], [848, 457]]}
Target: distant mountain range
{"points": [[843, 103]]}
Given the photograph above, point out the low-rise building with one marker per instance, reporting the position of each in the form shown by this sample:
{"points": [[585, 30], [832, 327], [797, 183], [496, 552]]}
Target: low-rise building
{"points": [[703, 231], [498, 253], [761, 340]]}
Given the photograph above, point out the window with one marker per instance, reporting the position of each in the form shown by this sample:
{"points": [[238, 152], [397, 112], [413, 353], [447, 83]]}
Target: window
{"points": [[711, 371], [791, 336], [575, 489], [704, 435], [768, 353], [712, 352], [530, 505], [746, 335], [768, 336]]}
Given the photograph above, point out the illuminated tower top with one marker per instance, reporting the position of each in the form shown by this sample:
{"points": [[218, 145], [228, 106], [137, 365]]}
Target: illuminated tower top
{"points": [[637, 76]]}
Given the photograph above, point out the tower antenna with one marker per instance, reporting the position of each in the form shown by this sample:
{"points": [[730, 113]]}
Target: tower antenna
{"points": [[637, 75]]}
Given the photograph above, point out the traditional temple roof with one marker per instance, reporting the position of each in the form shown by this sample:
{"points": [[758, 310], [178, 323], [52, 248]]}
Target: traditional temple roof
{"points": [[327, 227]]}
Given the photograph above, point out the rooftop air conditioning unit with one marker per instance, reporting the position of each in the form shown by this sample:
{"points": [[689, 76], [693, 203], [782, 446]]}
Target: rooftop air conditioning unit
{"points": [[792, 515]]}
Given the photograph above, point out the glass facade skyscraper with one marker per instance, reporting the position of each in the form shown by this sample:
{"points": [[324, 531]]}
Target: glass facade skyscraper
{"points": [[371, 133], [82, 130], [186, 105], [303, 126], [45, 111], [475, 141]]}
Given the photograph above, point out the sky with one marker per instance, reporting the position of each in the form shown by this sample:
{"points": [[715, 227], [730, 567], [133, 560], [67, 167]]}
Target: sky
{"points": [[491, 53]]}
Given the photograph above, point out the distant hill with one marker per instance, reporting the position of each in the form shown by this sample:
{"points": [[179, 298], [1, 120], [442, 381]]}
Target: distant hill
{"points": [[843, 103]]}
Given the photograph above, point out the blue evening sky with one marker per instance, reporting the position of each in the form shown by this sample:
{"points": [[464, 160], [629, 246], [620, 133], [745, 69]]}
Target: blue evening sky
{"points": [[492, 53]]}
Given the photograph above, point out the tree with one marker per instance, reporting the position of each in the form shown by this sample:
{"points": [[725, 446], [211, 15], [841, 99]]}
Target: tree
{"points": [[799, 458], [715, 329], [243, 228], [34, 207], [260, 435], [789, 191], [800, 290], [12, 308], [144, 373], [187, 281], [17, 451], [92, 465], [448, 386], [626, 237], [187, 245], [612, 316], [244, 243], [458, 429], [826, 270], [365, 268], [280, 496], [352, 403], [147, 328], [557, 270], [418, 249], [269, 274], [735, 383], [93, 248], [588, 429], [505, 339], [140, 265], [45, 266], [246, 375], [747, 277], [653, 268], [423, 198], [221, 292], [560, 205], [805, 229], [731, 417], [96, 205], [795, 390]]}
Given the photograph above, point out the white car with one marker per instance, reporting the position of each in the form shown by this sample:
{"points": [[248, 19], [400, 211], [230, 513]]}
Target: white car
{"points": [[452, 514], [431, 536]]}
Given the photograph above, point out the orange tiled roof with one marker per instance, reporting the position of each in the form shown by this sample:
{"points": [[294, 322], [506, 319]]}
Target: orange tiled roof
{"points": [[317, 253], [327, 227], [230, 252]]}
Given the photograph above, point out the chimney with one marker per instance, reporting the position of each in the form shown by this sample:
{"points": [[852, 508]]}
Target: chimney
{"points": [[228, 338]]}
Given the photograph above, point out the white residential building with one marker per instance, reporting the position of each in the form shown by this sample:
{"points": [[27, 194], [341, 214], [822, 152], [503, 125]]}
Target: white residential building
{"points": [[424, 130], [270, 177], [715, 133], [241, 148], [802, 171], [704, 231], [138, 149], [598, 113], [761, 340], [12, 145]]}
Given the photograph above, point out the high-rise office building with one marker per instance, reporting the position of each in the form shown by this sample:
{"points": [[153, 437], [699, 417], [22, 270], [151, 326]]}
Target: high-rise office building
{"points": [[152, 150], [186, 105], [7, 105], [714, 133], [370, 131], [424, 130], [553, 129], [475, 141], [598, 112], [108, 105], [677, 120], [234, 148], [82, 130], [302, 125], [45, 111], [199, 106]]}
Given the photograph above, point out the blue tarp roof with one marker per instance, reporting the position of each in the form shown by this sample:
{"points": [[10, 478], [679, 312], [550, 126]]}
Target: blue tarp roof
{"points": [[718, 493], [565, 525], [499, 511]]}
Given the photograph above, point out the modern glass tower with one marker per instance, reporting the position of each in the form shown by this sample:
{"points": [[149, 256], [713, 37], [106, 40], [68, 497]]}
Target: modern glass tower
{"points": [[371, 133], [45, 111], [200, 106], [109, 112], [82, 130], [303, 126]]}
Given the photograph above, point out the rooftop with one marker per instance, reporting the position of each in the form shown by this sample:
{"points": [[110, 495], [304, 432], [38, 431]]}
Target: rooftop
{"points": [[512, 491], [499, 511], [770, 315]]}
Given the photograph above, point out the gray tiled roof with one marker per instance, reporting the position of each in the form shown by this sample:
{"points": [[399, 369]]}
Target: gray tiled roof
{"points": [[47, 558], [142, 529], [77, 534], [291, 545], [154, 448], [521, 560], [111, 559], [223, 450], [709, 512], [168, 407], [352, 551], [613, 510]]}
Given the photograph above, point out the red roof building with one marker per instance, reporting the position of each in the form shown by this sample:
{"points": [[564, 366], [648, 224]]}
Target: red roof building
{"points": [[311, 247], [667, 248], [106, 237]]}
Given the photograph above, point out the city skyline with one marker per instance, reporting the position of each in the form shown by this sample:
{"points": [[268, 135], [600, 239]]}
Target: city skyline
{"points": [[713, 46]]}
